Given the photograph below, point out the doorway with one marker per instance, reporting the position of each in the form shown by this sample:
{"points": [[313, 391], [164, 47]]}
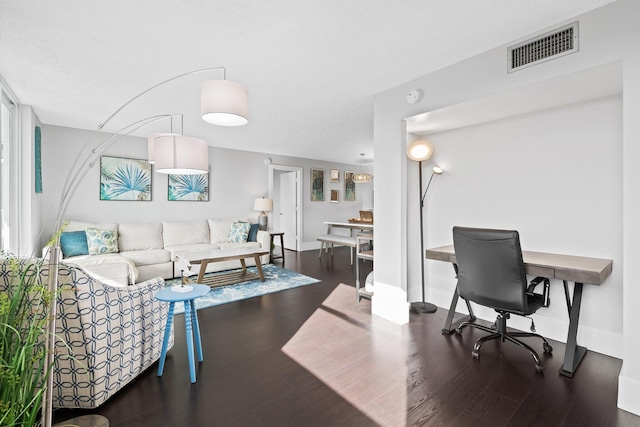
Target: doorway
{"points": [[285, 189]]}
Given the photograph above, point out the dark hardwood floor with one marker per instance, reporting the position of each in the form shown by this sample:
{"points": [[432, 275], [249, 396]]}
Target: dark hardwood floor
{"points": [[312, 356]]}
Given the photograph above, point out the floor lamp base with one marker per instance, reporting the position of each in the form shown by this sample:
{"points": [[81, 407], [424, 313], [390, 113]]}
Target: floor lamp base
{"points": [[423, 307]]}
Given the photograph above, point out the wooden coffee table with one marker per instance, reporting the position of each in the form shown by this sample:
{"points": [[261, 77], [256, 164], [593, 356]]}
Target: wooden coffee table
{"points": [[203, 258]]}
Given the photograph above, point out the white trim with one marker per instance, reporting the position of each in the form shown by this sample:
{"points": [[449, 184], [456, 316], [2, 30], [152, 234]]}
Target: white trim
{"points": [[390, 303], [299, 215], [628, 392]]}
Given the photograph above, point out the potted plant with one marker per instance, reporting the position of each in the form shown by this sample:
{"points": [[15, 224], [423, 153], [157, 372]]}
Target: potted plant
{"points": [[25, 304]]}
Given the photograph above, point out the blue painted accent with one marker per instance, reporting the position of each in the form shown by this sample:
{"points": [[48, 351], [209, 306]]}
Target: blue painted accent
{"points": [[191, 323]]}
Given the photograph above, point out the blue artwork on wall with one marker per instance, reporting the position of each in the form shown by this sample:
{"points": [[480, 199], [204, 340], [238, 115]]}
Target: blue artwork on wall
{"points": [[38, 159]]}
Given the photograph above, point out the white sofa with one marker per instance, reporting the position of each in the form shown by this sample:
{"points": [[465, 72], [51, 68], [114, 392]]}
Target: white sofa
{"points": [[148, 250]]}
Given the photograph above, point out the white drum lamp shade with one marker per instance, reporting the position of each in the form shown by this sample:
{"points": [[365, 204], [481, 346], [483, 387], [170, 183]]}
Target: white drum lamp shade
{"points": [[151, 145], [420, 150], [224, 103], [181, 155]]}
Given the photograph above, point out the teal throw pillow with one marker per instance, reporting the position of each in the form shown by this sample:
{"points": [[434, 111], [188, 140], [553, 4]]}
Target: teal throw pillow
{"points": [[74, 243], [101, 241], [239, 232], [253, 233]]}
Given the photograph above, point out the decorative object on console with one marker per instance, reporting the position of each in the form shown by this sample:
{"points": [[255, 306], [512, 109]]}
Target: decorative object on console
{"points": [[362, 177], [420, 151], [317, 185], [264, 205], [125, 179], [349, 187], [188, 187]]}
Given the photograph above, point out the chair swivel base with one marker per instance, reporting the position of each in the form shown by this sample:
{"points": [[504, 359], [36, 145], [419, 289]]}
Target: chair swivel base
{"points": [[501, 333], [423, 307]]}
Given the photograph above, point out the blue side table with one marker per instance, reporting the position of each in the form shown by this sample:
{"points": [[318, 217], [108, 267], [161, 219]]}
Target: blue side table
{"points": [[190, 317]]}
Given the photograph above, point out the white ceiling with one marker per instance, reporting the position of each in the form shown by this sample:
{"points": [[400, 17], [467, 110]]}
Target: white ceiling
{"points": [[311, 67]]}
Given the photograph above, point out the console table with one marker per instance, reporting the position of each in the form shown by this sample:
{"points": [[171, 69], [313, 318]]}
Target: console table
{"points": [[567, 268]]}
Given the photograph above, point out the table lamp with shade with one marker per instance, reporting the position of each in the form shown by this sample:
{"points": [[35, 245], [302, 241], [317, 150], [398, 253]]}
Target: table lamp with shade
{"points": [[264, 205]]}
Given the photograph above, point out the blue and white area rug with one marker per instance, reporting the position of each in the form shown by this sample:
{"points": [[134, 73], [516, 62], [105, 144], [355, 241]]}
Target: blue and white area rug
{"points": [[276, 279]]}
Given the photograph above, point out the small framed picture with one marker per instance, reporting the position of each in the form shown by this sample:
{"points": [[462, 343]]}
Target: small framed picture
{"points": [[334, 175], [349, 187], [335, 196], [317, 185]]}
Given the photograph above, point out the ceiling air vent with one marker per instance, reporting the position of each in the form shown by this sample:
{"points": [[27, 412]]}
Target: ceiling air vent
{"points": [[545, 47]]}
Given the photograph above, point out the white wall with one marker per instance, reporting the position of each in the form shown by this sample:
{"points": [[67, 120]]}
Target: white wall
{"points": [[607, 34], [29, 237], [556, 177], [236, 178]]}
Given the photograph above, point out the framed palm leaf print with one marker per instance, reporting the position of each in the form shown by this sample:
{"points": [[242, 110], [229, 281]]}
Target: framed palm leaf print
{"points": [[194, 188], [125, 179]]}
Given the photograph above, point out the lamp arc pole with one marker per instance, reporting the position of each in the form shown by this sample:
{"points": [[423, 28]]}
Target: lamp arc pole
{"points": [[68, 191]]}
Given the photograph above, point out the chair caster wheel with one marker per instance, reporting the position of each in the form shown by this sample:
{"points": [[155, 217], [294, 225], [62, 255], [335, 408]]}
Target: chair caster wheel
{"points": [[475, 354], [547, 348], [539, 367]]}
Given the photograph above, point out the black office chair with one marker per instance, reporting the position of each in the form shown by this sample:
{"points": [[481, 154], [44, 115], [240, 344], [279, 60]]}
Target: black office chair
{"points": [[491, 273]]}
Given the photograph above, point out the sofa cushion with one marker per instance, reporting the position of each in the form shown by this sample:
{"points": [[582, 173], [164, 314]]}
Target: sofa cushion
{"points": [[219, 229], [74, 243], [136, 237], [82, 225], [147, 256], [101, 241], [185, 233], [190, 248], [239, 232]]}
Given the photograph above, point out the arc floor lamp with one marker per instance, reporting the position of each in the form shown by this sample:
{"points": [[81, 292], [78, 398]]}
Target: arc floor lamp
{"points": [[420, 151], [222, 102]]}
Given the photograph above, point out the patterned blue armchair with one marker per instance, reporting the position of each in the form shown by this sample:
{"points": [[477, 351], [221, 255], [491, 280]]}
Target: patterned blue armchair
{"points": [[112, 333], [107, 335]]}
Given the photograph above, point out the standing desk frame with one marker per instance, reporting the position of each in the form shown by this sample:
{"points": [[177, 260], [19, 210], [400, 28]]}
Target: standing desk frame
{"points": [[567, 268]]}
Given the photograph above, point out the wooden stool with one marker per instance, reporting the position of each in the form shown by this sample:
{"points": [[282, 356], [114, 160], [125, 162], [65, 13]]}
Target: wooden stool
{"points": [[281, 256]]}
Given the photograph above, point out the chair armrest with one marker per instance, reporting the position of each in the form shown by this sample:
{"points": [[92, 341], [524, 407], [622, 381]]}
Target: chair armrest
{"points": [[545, 292]]}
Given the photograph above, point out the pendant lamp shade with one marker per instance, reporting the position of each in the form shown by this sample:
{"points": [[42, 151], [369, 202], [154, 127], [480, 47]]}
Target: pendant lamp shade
{"points": [[151, 145], [224, 103], [181, 155], [420, 150], [362, 177]]}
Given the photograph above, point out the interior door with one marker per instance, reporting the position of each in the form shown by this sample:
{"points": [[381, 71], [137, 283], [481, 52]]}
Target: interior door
{"points": [[288, 217]]}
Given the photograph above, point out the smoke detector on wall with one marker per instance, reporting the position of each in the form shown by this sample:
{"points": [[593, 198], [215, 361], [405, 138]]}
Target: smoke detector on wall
{"points": [[414, 96]]}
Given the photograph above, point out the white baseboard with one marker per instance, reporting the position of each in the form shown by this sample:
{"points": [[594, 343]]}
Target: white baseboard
{"points": [[628, 392], [390, 303]]}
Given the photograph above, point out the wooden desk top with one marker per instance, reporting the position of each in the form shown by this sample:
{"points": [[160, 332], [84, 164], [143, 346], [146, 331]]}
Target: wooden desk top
{"points": [[553, 266]]}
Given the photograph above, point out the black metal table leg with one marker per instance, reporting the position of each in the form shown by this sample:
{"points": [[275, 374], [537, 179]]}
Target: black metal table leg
{"points": [[449, 325], [573, 353]]}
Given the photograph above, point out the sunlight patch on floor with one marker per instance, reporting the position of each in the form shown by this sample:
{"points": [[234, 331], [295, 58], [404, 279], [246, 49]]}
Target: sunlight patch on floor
{"points": [[360, 357]]}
